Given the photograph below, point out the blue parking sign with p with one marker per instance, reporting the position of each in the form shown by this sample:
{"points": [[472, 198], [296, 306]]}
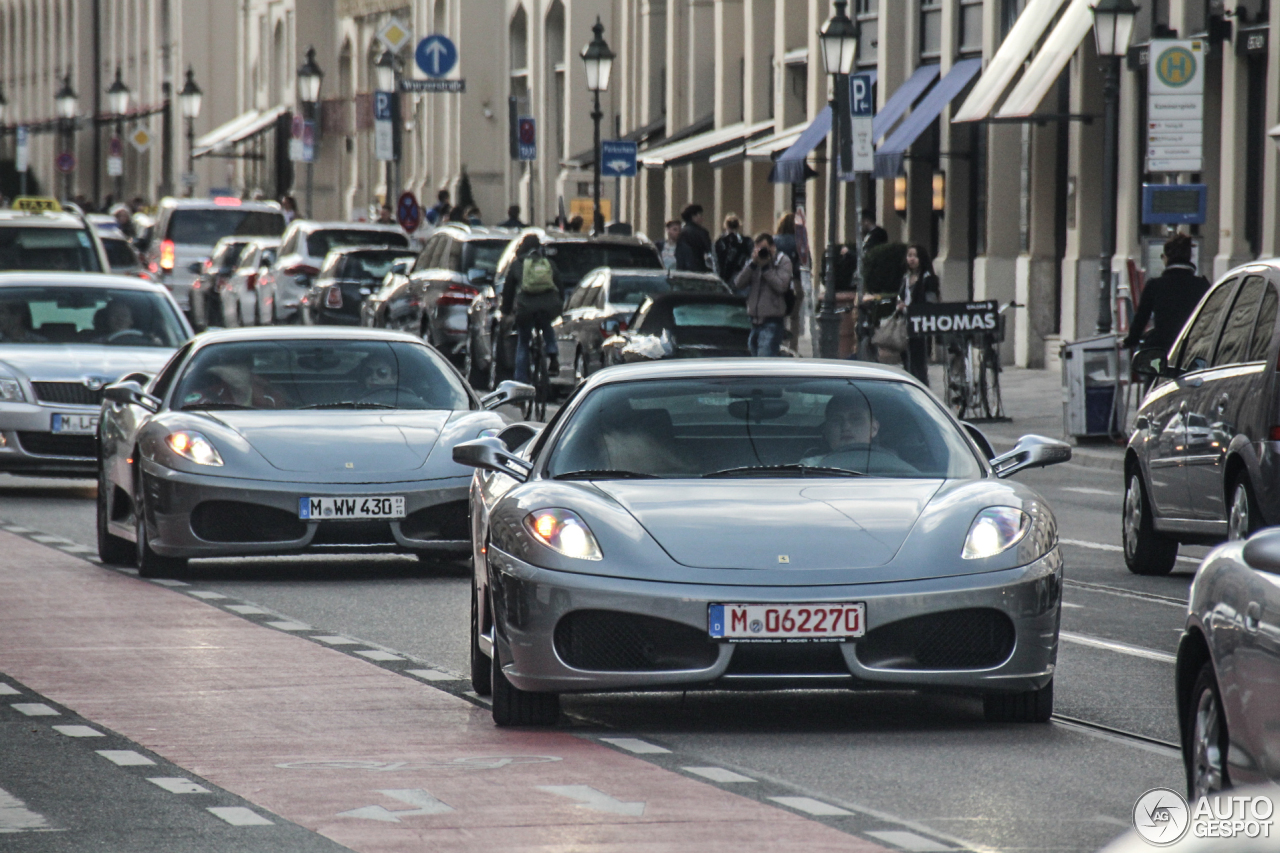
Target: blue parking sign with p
{"points": [[861, 104], [617, 158], [382, 106]]}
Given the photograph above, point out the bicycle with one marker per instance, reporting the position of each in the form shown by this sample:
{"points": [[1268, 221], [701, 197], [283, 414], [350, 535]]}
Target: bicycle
{"points": [[973, 372], [539, 378]]}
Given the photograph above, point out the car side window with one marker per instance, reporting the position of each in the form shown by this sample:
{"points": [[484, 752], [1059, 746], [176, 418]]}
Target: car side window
{"points": [[596, 298], [454, 258], [424, 259], [575, 301], [290, 245], [160, 386], [1264, 329], [1237, 334], [1197, 348]]}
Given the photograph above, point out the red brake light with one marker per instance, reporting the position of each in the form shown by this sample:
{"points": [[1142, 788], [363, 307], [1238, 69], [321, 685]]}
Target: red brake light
{"points": [[167, 255], [301, 269], [1275, 434], [227, 201], [333, 297], [458, 294], [252, 281]]}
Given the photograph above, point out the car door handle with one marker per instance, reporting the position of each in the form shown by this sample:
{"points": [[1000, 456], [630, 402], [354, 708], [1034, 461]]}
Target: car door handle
{"points": [[1252, 615]]}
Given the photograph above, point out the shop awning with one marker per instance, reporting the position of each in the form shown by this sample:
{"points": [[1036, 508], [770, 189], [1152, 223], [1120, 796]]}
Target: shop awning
{"points": [[1053, 56], [240, 128], [889, 156], [703, 145], [790, 167], [1008, 61], [761, 150], [641, 135]]}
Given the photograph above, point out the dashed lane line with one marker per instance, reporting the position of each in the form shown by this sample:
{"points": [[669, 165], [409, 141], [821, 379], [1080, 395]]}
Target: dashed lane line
{"points": [[289, 625], [125, 757], [7, 690], [16, 817], [432, 675], [34, 709], [909, 841], [718, 774], [636, 745], [809, 805], [78, 731], [378, 654], [239, 816], [1180, 603], [1116, 646], [178, 785]]}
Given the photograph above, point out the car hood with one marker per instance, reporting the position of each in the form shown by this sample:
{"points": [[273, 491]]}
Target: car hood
{"points": [[74, 362], [772, 524]]}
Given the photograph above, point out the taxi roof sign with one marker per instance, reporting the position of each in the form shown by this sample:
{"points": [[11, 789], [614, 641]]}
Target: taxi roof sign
{"points": [[36, 204]]}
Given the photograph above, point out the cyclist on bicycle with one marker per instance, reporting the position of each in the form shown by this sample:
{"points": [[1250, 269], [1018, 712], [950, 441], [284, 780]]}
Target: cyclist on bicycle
{"points": [[539, 300]]}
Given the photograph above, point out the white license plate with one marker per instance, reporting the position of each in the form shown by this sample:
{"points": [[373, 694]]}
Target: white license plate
{"points": [[353, 509], [751, 622], [75, 424]]}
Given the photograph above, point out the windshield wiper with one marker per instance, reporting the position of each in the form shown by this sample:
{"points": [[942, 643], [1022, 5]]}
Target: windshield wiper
{"points": [[795, 468], [198, 406], [348, 404], [604, 474]]}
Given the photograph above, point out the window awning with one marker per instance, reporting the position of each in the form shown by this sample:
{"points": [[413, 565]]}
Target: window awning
{"points": [[760, 150], [703, 145], [641, 135], [240, 128], [1052, 57], [889, 156], [1007, 62]]}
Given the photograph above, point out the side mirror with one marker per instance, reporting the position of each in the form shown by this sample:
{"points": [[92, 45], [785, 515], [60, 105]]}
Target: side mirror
{"points": [[507, 392], [130, 393], [1031, 451], [979, 439], [1150, 364], [491, 454], [1262, 551]]}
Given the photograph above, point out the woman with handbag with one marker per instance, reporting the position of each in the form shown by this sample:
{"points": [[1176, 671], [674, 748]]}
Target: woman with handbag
{"points": [[919, 284]]}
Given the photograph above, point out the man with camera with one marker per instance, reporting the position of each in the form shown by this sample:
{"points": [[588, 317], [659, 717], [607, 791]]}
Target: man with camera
{"points": [[767, 280]]}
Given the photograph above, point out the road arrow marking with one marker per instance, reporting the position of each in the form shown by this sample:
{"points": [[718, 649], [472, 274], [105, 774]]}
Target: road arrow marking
{"points": [[426, 804], [16, 817], [596, 801]]}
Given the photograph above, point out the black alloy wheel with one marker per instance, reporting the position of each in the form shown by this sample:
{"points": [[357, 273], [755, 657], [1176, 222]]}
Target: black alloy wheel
{"points": [[1205, 741], [1146, 552], [1243, 517], [1031, 706]]}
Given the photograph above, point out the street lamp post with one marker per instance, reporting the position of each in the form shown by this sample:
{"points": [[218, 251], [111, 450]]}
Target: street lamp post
{"points": [[839, 39], [190, 99], [68, 104], [598, 60], [118, 99], [1112, 31], [387, 81], [309, 77]]}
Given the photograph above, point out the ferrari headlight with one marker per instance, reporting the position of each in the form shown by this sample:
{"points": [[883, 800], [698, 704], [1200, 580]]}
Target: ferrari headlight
{"points": [[561, 530], [192, 445], [11, 391], [995, 530]]}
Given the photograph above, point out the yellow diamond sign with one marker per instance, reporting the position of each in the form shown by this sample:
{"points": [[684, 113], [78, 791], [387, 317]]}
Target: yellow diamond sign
{"points": [[394, 35], [141, 139]]}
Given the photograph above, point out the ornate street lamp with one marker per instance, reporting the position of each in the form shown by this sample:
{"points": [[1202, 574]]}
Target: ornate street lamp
{"points": [[385, 71], [118, 95], [68, 104], [1112, 31], [190, 99], [597, 58], [839, 38], [309, 77]]}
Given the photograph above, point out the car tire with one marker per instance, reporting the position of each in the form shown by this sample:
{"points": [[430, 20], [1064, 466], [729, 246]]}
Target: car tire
{"points": [[150, 564], [481, 666], [1205, 741], [1030, 706], [112, 550], [1242, 517], [515, 707], [1146, 552]]}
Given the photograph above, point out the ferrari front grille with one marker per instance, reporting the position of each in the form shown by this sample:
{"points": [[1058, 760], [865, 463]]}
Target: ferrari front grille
{"points": [[977, 638], [611, 641]]}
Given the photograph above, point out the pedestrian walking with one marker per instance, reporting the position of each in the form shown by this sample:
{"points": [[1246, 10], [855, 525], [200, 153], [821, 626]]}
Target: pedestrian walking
{"points": [[733, 249], [290, 207], [694, 247], [667, 247], [1168, 299], [438, 213], [575, 224], [513, 218], [784, 237], [919, 284], [872, 234], [767, 281], [384, 215]]}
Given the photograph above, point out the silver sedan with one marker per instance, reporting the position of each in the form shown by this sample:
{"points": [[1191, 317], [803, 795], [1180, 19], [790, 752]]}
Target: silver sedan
{"points": [[280, 440], [759, 523]]}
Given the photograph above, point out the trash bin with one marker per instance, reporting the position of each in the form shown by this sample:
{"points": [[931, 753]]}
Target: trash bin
{"points": [[1090, 386]]}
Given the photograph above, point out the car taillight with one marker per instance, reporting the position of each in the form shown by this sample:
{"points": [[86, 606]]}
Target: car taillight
{"points": [[167, 256], [333, 297], [208, 264], [251, 281], [458, 294], [1275, 433], [301, 269]]}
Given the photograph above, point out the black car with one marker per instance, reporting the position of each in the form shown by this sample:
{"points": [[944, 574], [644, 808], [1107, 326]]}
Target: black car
{"points": [[490, 347], [682, 325], [347, 278], [604, 302], [215, 274]]}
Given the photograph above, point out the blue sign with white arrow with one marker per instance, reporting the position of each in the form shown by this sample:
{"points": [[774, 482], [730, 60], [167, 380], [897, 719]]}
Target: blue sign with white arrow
{"points": [[617, 158], [436, 55], [860, 103]]}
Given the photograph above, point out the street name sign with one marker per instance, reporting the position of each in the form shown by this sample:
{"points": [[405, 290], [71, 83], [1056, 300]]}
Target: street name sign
{"points": [[617, 158], [419, 86]]}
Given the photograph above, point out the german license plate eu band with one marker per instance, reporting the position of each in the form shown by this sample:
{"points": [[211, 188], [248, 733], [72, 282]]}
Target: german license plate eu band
{"points": [[351, 509], [74, 424], [824, 622]]}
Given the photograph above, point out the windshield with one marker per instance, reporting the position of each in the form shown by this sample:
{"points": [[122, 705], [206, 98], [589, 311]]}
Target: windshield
{"points": [[366, 266], [64, 249], [207, 227], [120, 254], [319, 374], [484, 254], [574, 260], [70, 315], [320, 243], [761, 427], [711, 314], [632, 290]]}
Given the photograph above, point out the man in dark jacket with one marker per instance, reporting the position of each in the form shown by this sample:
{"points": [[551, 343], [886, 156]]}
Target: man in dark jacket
{"points": [[1169, 297], [733, 249], [766, 280], [513, 218], [694, 244], [872, 234]]}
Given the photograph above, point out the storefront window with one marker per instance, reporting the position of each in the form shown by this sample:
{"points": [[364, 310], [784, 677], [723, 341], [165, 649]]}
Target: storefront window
{"points": [[930, 29], [971, 26]]}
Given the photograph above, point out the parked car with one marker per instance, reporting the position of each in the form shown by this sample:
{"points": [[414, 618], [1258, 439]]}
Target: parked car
{"points": [[231, 451], [490, 347], [248, 297], [63, 337], [188, 229], [205, 297], [685, 520], [456, 262], [605, 301], [1202, 462], [304, 247], [50, 241], [347, 277]]}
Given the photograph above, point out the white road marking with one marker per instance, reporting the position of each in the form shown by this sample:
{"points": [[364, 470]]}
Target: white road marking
{"points": [[596, 801], [179, 785], [289, 626], [239, 816], [909, 841], [246, 609], [78, 549], [14, 528], [377, 654], [7, 690], [133, 572], [1084, 490], [1073, 606], [432, 675], [634, 744], [206, 595], [719, 774], [425, 804], [337, 641], [1100, 546], [34, 709], [168, 582], [1114, 646], [811, 806], [49, 540], [78, 731], [16, 817], [125, 757]]}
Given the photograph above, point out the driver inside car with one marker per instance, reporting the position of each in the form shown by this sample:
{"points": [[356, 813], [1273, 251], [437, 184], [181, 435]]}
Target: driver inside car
{"points": [[849, 430], [231, 383], [380, 384], [117, 323], [15, 324]]}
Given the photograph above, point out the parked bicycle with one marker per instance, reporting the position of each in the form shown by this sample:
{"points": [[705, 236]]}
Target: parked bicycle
{"points": [[973, 371]]}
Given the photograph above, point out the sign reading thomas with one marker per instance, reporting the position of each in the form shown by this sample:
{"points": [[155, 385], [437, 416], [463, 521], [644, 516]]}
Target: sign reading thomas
{"points": [[935, 318]]}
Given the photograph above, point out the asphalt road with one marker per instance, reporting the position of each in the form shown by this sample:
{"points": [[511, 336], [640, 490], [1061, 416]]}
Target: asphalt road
{"points": [[924, 764]]}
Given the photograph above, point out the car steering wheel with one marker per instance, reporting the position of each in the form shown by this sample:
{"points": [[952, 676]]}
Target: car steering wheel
{"points": [[124, 333]]}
